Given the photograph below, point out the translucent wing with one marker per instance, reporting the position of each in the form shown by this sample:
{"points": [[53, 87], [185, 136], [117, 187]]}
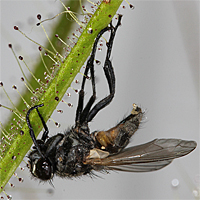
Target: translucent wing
{"points": [[150, 156]]}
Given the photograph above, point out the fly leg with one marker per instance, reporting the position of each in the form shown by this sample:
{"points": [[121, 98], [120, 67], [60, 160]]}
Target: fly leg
{"points": [[81, 129], [82, 115], [37, 143], [109, 73]]}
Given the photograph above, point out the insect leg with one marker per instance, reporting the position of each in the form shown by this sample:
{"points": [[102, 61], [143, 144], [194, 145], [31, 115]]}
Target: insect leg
{"points": [[46, 130], [109, 73], [81, 115], [31, 129]]}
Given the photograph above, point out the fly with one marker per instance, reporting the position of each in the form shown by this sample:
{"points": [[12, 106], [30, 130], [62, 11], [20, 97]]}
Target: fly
{"points": [[78, 152]]}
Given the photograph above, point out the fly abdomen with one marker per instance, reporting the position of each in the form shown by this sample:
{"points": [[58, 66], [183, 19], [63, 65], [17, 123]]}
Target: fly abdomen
{"points": [[116, 138], [131, 123]]}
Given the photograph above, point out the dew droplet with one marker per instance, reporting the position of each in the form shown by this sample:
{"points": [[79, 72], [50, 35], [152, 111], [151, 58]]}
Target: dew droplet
{"points": [[21, 180], [68, 94], [57, 98], [11, 185], [57, 124], [14, 157], [98, 62], [175, 182], [14, 87], [22, 168], [90, 31], [131, 6], [39, 16], [20, 57], [9, 197], [196, 193], [60, 111], [70, 105], [16, 28], [21, 132]]}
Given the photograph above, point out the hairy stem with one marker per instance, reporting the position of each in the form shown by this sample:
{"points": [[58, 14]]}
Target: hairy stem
{"points": [[57, 88]]}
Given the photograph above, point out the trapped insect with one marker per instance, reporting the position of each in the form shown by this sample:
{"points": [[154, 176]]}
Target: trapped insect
{"points": [[79, 152]]}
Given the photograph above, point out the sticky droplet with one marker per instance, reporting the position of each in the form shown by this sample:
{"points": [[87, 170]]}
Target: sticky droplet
{"points": [[175, 182], [90, 31], [57, 124], [14, 157]]}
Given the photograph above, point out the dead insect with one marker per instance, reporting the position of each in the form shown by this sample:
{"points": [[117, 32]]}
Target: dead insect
{"points": [[78, 152]]}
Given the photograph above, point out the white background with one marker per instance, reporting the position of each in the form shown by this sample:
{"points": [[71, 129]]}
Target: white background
{"points": [[156, 62]]}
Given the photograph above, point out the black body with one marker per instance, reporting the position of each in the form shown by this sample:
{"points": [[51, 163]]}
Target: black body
{"points": [[78, 152]]}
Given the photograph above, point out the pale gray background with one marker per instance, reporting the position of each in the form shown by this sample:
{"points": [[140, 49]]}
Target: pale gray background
{"points": [[156, 61]]}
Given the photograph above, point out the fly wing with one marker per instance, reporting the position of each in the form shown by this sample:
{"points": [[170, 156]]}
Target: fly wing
{"points": [[150, 156]]}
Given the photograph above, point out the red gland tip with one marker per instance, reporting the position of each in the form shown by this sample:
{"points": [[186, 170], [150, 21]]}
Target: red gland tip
{"points": [[16, 28]]}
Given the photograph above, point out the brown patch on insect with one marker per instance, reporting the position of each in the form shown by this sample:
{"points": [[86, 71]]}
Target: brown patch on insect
{"points": [[60, 159]]}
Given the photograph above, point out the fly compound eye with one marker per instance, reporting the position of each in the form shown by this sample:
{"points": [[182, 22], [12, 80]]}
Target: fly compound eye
{"points": [[42, 169]]}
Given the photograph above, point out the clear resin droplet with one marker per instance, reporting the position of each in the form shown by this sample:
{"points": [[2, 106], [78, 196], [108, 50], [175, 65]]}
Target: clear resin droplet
{"points": [[175, 182]]}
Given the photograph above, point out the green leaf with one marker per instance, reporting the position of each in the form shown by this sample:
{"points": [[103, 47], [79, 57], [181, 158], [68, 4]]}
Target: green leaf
{"points": [[68, 69]]}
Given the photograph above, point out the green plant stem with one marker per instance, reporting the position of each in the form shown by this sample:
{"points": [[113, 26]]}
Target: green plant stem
{"points": [[57, 88]]}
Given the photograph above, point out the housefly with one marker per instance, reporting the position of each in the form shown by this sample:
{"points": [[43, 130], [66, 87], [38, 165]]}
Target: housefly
{"points": [[78, 152]]}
